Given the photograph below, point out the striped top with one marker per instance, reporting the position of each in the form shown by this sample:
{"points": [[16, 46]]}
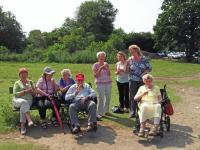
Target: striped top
{"points": [[103, 77]]}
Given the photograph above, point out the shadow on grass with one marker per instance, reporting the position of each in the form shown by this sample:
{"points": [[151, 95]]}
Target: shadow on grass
{"points": [[120, 119], [179, 137], [103, 134]]}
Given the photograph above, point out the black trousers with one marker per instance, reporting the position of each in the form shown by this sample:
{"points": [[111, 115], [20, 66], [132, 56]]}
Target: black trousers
{"points": [[43, 103], [123, 89], [134, 86]]}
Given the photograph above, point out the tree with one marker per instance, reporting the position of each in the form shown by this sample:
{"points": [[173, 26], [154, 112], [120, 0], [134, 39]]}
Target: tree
{"points": [[97, 17], [178, 26], [144, 40], [11, 34], [36, 39]]}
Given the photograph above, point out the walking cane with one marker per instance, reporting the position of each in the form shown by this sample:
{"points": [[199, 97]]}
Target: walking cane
{"points": [[57, 114]]}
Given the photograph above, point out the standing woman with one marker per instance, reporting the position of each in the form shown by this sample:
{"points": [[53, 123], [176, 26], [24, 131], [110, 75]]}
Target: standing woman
{"points": [[138, 66], [23, 92], [65, 82], [121, 71], [103, 82], [47, 88]]}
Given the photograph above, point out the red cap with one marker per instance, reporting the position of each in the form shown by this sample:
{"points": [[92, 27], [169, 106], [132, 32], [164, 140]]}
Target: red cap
{"points": [[80, 76], [23, 70]]}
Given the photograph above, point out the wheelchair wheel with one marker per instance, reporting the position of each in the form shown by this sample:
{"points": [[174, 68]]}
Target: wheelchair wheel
{"points": [[167, 119], [137, 125]]}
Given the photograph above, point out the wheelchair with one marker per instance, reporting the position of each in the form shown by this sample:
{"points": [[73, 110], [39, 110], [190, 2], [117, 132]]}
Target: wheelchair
{"points": [[164, 121]]}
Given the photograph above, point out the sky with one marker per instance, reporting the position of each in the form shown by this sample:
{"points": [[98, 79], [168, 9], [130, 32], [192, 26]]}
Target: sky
{"points": [[46, 15]]}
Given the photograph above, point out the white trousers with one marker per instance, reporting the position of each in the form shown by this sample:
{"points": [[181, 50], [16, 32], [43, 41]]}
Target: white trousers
{"points": [[104, 94], [24, 106], [148, 111]]}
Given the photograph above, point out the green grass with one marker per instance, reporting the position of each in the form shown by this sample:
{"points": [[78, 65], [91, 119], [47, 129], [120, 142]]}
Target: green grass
{"points": [[15, 146], [193, 83], [161, 68], [165, 68], [9, 74]]}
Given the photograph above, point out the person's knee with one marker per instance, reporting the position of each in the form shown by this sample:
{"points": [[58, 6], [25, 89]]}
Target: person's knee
{"points": [[92, 105], [72, 107], [143, 107]]}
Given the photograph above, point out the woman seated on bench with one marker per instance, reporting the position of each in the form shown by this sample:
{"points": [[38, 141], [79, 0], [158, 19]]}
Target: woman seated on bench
{"points": [[149, 106], [47, 88], [23, 92], [65, 82]]}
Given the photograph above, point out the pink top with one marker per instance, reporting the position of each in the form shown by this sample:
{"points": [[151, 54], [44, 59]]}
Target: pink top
{"points": [[42, 85], [104, 76]]}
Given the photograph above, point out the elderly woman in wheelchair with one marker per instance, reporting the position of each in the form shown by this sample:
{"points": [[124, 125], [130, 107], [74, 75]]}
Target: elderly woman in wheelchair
{"points": [[81, 97], [149, 106]]}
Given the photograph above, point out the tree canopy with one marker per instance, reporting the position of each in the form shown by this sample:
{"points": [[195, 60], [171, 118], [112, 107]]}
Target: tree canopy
{"points": [[178, 26], [11, 34], [97, 17]]}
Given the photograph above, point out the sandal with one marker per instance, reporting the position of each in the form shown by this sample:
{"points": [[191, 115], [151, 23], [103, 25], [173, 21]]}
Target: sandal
{"points": [[54, 122], [153, 131], [44, 125], [141, 132]]}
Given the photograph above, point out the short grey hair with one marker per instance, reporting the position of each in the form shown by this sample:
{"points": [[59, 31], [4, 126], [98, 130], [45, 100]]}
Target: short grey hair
{"points": [[147, 76], [68, 71], [100, 53]]}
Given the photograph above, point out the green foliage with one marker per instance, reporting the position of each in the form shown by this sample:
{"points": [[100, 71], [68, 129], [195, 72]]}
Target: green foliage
{"points": [[97, 17], [11, 35], [178, 26], [11, 119], [36, 39], [144, 40]]}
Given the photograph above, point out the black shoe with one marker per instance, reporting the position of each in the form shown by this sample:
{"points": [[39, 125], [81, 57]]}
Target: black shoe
{"points": [[99, 117], [75, 130], [92, 127]]}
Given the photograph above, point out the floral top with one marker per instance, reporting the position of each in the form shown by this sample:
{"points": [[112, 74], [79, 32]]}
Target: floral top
{"points": [[137, 68]]}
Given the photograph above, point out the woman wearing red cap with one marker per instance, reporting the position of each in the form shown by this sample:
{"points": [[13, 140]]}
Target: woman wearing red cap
{"points": [[23, 92]]}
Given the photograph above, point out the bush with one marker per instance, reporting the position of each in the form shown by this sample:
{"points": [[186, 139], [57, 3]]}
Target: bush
{"points": [[11, 119]]}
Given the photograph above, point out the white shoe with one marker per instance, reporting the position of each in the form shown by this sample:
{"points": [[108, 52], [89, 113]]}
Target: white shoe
{"points": [[30, 123], [23, 131]]}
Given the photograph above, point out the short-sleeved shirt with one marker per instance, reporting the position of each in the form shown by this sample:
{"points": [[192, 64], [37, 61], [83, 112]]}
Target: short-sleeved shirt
{"points": [[103, 77], [137, 68], [152, 95], [19, 86], [47, 86]]}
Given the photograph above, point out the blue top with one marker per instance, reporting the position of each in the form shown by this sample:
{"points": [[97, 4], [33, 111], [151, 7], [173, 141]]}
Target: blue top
{"points": [[85, 91], [64, 84], [137, 68]]}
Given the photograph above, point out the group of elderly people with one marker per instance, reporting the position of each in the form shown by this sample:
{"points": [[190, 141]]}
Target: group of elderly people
{"points": [[133, 82]]}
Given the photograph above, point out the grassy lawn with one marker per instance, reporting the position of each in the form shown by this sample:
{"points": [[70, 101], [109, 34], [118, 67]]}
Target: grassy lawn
{"points": [[9, 74], [15, 146], [161, 68]]}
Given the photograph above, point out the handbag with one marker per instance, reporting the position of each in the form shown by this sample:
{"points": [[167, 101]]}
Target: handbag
{"points": [[168, 108]]}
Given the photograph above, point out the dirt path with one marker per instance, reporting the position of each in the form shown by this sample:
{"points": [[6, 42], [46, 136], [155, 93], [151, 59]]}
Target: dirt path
{"points": [[184, 134]]}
